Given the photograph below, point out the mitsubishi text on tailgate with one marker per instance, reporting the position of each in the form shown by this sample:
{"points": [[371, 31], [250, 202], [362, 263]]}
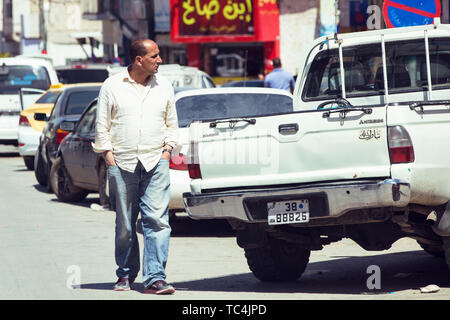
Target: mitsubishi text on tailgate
{"points": [[365, 155]]}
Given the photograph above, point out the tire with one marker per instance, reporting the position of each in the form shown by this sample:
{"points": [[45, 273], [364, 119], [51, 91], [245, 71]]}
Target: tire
{"points": [[39, 169], [29, 162], [436, 251], [62, 187], [102, 184], [278, 260]]}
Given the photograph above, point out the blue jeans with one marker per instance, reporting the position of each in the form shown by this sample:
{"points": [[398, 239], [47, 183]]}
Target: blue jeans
{"points": [[147, 192]]}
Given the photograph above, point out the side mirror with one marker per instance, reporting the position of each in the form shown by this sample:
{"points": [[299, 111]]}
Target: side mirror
{"points": [[40, 116], [67, 126]]}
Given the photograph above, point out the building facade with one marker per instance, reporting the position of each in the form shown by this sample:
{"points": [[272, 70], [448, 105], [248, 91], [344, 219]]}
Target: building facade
{"points": [[227, 39], [126, 20], [55, 28]]}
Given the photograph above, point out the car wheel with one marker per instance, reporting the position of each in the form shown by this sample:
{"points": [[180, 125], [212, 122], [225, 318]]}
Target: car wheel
{"points": [[39, 169], [29, 162], [278, 260], [103, 184], [62, 186]]}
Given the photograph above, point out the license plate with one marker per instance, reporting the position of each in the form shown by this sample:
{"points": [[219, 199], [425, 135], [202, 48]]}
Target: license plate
{"points": [[284, 212]]}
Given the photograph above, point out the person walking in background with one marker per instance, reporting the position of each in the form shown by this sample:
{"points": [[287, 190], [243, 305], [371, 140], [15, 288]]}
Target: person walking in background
{"points": [[279, 78], [136, 131]]}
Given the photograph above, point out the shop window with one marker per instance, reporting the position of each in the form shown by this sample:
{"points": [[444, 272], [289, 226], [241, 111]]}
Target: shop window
{"points": [[236, 62]]}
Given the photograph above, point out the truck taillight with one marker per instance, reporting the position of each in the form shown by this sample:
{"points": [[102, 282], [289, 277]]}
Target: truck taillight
{"points": [[23, 121], [193, 161], [178, 162], [400, 146], [194, 171]]}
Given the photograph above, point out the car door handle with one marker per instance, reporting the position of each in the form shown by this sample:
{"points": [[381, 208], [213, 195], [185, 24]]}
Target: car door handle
{"points": [[288, 128]]}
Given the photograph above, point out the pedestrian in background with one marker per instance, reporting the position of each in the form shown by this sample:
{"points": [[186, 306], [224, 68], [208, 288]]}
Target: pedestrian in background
{"points": [[136, 131], [279, 78]]}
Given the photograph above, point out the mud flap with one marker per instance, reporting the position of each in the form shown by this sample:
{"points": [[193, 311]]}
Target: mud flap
{"points": [[253, 236]]}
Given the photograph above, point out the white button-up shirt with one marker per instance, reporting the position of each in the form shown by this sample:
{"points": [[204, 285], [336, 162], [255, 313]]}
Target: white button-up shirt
{"points": [[135, 124]]}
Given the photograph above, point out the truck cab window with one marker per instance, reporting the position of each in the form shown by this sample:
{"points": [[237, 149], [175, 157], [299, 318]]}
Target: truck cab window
{"points": [[361, 64]]}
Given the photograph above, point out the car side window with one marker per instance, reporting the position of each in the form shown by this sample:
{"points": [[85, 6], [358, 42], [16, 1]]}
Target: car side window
{"points": [[77, 102], [87, 122], [56, 108]]}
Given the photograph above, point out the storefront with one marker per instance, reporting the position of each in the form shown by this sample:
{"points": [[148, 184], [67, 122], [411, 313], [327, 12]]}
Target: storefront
{"points": [[227, 39]]}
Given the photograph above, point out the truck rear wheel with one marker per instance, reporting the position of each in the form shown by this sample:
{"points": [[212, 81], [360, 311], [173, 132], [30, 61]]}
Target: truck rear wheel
{"points": [[278, 260]]}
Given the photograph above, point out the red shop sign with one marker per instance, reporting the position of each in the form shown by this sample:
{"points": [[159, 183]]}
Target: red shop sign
{"points": [[224, 20], [214, 17]]}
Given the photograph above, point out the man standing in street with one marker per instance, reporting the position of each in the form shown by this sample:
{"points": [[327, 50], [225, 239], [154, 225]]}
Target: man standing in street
{"points": [[279, 78], [136, 131]]}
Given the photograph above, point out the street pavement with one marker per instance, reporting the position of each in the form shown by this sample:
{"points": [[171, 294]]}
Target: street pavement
{"points": [[61, 251]]}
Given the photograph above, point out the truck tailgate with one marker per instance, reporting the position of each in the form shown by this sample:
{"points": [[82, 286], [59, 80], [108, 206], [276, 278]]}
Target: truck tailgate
{"points": [[299, 147]]}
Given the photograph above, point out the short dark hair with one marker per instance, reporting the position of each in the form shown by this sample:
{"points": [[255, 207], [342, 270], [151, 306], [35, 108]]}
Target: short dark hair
{"points": [[276, 62], [137, 48]]}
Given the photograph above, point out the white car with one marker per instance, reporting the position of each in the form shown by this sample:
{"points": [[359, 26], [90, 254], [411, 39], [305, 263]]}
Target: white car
{"points": [[22, 81], [185, 76], [216, 104]]}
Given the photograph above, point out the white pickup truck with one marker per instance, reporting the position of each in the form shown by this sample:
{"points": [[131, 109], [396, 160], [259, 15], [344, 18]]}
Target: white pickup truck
{"points": [[365, 155]]}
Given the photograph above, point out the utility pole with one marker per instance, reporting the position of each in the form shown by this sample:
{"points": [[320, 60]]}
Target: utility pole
{"points": [[42, 26]]}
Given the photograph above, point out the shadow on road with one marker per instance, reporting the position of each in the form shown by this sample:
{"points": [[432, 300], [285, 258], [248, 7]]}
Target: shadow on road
{"points": [[399, 272], [187, 227], [41, 188], [9, 154], [182, 226]]}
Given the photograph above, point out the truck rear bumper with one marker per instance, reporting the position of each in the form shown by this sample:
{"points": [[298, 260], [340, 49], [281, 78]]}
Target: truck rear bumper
{"points": [[326, 200]]}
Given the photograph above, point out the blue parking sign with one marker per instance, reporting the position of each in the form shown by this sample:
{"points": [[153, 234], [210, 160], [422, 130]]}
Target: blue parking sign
{"points": [[404, 13]]}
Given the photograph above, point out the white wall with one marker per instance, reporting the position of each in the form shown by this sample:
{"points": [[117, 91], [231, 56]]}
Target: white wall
{"points": [[60, 52], [298, 28]]}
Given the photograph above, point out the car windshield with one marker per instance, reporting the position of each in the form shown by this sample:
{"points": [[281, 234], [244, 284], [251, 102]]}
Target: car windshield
{"points": [[230, 105], [12, 78], [49, 97], [82, 75]]}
